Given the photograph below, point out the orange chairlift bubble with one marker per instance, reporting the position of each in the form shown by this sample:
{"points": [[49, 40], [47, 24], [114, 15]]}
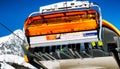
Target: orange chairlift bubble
{"points": [[61, 22]]}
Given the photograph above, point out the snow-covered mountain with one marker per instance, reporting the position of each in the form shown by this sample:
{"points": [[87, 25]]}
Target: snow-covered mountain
{"points": [[12, 43], [11, 50]]}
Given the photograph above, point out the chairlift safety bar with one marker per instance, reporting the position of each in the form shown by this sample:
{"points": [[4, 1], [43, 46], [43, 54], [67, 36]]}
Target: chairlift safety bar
{"points": [[65, 5]]}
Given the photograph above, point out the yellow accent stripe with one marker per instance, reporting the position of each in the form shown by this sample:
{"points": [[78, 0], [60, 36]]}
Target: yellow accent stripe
{"points": [[93, 44], [108, 24], [26, 58], [100, 43], [27, 47]]}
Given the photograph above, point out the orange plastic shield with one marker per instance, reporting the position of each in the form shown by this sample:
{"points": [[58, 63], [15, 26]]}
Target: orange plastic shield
{"points": [[61, 22]]}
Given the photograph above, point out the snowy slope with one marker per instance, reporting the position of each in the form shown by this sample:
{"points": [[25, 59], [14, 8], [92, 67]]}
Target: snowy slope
{"points": [[11, 50], [11, 44]]}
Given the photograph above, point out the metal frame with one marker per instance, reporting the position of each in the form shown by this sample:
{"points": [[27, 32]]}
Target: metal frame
{"points": [[40, 42]]}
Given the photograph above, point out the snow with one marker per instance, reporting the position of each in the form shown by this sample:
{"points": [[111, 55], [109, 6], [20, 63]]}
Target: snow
{"points": [[11, 50], [3, 39], [15, 59], [6, 66]]}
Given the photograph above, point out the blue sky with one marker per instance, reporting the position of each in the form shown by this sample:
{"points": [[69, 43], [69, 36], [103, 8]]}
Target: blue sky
{"points": [[14, 12]]}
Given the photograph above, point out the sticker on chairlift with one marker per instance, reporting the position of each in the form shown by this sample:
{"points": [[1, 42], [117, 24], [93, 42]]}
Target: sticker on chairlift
{"points": [[53, 37]]}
